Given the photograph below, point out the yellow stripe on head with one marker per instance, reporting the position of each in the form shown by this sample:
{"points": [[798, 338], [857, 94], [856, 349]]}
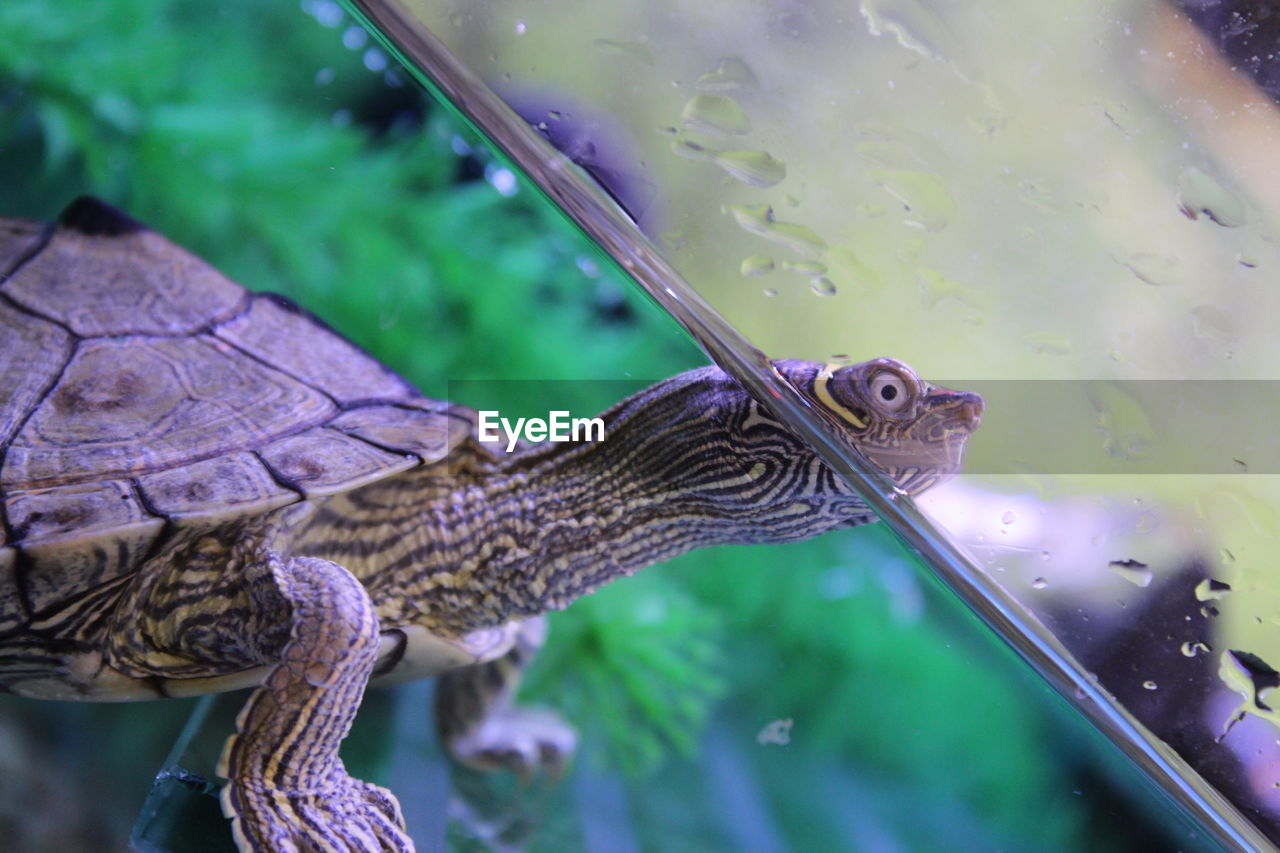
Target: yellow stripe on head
{"points": [[824, 396]]}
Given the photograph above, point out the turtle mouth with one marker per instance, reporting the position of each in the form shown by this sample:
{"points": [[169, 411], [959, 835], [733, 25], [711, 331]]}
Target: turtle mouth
{"points": [[957, 410], [932, 449], [952, 418]]}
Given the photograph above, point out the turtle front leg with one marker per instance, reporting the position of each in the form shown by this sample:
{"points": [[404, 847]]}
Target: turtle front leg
{"points": [[479, 725], [288, 789]]}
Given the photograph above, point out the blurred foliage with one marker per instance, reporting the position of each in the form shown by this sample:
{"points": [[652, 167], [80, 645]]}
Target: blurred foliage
{"points": [[250, 134]]}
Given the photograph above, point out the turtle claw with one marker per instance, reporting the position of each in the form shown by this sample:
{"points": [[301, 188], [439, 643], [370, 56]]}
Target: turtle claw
{"points": [[522, 740], [350, 815]]}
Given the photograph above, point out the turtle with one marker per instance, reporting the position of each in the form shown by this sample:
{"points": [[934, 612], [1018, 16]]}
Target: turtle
{"points": [[205, 488]]}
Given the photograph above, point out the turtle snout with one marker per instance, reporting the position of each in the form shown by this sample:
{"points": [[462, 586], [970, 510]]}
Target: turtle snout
{"points": [[971, 409], [963, 409]]}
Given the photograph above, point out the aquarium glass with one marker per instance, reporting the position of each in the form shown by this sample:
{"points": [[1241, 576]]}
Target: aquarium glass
{"points": [[1068, 206]]}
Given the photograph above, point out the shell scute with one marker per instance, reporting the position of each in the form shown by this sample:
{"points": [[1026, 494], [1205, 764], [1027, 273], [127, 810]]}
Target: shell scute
{"points": [[287, 338], [213, 490], [35, 351], [18, 238], [428, 434], [322, 462], [134, 282], [126, 406], [62, 532]]}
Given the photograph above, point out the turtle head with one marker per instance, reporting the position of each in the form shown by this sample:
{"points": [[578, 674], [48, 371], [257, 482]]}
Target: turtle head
{"points": [[913, 431]]}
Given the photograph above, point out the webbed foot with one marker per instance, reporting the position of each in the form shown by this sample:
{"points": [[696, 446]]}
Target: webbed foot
{"points": [[347, 815], [523, 740]]}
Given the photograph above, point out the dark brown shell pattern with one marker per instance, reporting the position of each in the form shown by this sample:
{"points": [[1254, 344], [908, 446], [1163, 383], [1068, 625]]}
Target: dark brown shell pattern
{"points": [[142, 391]]}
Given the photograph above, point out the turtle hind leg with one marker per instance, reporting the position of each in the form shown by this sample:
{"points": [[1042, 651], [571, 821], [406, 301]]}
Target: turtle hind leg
{"points": [[287, 788], [480, 727]]}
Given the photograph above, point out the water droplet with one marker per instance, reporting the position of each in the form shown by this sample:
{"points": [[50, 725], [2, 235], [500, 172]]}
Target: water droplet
{"points": [[324, 76], [1149, 685], [758, 219], [730, 74], [691, 150], [822, 286], [1190, 649], [1251, 677], [805, 267], [1249, 262], [637, 50], [520, 28], [1213, 324], [1135, 572], [924, 196], [757, 168], [1152, 268], [770, 291], [1008, 518], [1199, 193], [1212, 590], [1039, 583], [756, 265], [1126, 429], [715, 114], [915, 26]]}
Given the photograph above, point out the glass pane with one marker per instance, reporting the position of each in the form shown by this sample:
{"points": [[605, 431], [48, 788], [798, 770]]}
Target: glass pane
{"points": [[1002, 194]]}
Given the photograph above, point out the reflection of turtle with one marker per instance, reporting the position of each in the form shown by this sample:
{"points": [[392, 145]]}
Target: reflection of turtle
{"points": [[205, 489]]}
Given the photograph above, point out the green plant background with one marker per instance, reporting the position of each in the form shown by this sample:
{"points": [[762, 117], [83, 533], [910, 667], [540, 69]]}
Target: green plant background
{"points": [[255, 135]]}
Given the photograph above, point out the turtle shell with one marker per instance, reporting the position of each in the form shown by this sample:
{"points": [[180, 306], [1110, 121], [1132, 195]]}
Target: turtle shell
{"points": [[142, 390]]}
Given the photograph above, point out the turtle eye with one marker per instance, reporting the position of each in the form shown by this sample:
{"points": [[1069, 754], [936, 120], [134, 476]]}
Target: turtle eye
{"points": [[889, 391]]}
